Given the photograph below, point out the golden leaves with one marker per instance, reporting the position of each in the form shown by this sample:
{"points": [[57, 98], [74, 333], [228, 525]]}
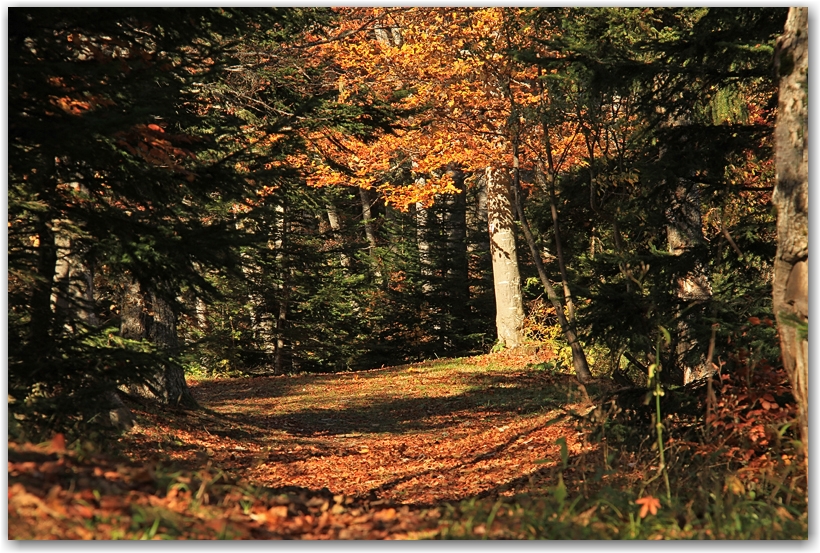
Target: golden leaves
{"points": [[456, 63]]}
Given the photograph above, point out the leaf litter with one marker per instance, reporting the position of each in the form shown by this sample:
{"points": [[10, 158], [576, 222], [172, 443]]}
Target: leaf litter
{"points": [[369, 455]]}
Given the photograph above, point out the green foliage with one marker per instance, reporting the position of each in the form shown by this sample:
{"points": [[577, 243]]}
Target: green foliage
{"points": [[374, 310], [664, 97], [612, 514], [72, 396], [732, 474], [120, 167]]}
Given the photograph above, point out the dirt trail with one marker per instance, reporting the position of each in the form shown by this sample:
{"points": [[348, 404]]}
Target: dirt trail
{"points": [[414, 435]]}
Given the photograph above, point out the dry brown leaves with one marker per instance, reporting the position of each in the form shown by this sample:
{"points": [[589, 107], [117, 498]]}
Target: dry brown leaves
{"points": [[354, 455]]}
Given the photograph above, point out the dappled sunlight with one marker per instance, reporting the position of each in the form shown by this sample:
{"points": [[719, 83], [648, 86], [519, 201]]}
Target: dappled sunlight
{"points": [[415, 434]]}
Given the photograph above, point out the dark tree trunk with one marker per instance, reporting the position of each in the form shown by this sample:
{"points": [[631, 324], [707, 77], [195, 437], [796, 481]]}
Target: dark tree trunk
{"points": [[454, 223], [684, 232], [41, 313], [559, 249], [791, 267], [146, 315]]}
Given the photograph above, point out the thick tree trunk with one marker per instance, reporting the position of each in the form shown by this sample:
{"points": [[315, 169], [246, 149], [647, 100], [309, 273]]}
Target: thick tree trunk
{"points": [[133, 317], [146, 315], [72, 297], [791, 199], [506, 278]]}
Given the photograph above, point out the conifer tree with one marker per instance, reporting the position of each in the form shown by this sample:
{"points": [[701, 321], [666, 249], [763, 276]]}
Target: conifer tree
{"points": [[117, 167]]}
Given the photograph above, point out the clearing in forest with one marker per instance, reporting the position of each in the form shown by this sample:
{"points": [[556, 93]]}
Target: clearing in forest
{"points": [[416, 434], [385, 453], [496, 446]]}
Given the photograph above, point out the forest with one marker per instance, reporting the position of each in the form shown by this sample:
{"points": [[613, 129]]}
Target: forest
{"points": [[407, 273]]}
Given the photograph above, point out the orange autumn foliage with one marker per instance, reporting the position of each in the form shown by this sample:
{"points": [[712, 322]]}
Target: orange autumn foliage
{"points": [[450, 65]]}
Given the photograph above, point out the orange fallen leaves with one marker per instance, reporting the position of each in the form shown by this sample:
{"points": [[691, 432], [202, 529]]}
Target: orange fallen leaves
{"points": [[58, 443], [346, 455], [649, 505]]}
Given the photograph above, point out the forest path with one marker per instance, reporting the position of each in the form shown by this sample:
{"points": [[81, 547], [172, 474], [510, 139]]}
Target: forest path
{"points": [[415, 435], [381, 454]]}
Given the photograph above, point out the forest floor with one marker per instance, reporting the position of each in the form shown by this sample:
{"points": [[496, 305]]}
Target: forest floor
{"points": [[428, 450]]}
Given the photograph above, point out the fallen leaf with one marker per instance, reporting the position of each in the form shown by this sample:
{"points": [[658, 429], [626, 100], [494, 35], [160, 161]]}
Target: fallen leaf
{"points": [[385, 515], [648, 504], [57, 443]]}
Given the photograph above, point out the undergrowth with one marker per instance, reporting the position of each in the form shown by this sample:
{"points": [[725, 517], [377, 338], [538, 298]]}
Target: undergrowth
{"points": [[735, 469]]}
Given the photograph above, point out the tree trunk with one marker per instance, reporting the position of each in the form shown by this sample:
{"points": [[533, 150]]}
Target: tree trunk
{"points": [[146, 315], [369, 228], [133, 317], [506, 278], [42, 315], [259, 303], [559, 252], [683, 232], [72, 297], [336, 228], [791, 268], [280, 244], [482, 302], [367, 217], [454, 223], [423, 216]]}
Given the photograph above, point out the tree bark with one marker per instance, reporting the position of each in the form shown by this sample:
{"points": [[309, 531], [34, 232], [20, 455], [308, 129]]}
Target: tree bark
{"points": [[146, 315], [336, 228], [423, 216], [683, 232], [367, 217], [72, 297], [42, 316], [454, 223], [791, 268], [280, 244], [559, 252], [506, 277], [556, 229], [260, 304], [369, 229]]}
